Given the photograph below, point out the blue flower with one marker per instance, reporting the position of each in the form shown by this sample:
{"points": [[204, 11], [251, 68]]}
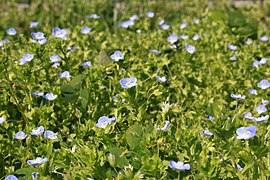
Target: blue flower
{"points": [[239, 167], [64, 74], [36, 162], [263, 84], [246, 132], [37, 93], [56, 64], [166, 126], [11, 177], [134, 17], [34, 175], [196, 37], [50, 96], [165, 26], [85, 30], [126, 24], [128, 82], [150, 14], [183, 26], [2, 119], [263, 60], [248, 115], [11, 31], [173, 38], [196, 21], [190, 49], [93, 16], [233, 58], [264, 38], [42, 41], [248, 41], [261, 118], [252, 91], [103, 121], [117, 55], [20, 135], [33, 24], [260, 109], [87, 64], [50, 135], [206, 132], [161, 22], [184, 37], [210, 118], [154, 51], [232, 47], [55, 58], [37, 35], [238, 96], [179, 165], [265, 102], [3, 42], [161, 79], [26, 58], [38, 131], [256, 64], [59, 33]]}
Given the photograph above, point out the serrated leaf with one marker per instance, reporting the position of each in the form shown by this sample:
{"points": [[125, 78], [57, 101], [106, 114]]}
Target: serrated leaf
{"points": [[134, 135]]}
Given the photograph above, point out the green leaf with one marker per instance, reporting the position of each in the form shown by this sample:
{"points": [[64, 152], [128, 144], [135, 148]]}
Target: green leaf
{"points": [[120, 160], [84, 98], [134, 135], [103, 59], [26, 173]]}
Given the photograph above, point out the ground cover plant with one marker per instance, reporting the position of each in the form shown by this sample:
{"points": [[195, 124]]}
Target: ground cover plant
{"points": [[134, 90]]}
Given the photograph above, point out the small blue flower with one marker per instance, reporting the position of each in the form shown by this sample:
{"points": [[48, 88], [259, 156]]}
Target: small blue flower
{"points": [[161, 22], [248, 41], [50, 135], [238, 96], [71, 48], [239, 167], [59, 33], [260, 109], [26, 58], [154, 51], [248, 115], [150, 14], [126, 24], [11, 31], [184, 37], [263, 84], [38, 131], [233, 58], [232, 47], [128, 82], [134, 17], [196, 37], [265, 102], [264, 38], [33, 24], [42, 41], [103, 121], [11, 177], [87, 64], [206, 132], [85, 30], [2, 119], [64, 74], [190, 49], [37, 94], [173, 38], [36, 162], [34, 175], [165, 26], [256, 64], [261, 118], [183, 26], [93, 16], [20, 135], [252, 91], [263, 60], [117, 55], [196, 21], [50, 96], [56, 65], [37, 35], [55, 58], [210, 118], [161, 79], [166, 126], [179, 165], [246, 132]]}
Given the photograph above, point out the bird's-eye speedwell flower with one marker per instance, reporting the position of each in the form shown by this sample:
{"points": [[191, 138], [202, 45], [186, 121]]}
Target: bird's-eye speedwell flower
{"points": [[190, 49], [117, 55], [161, 79], [166, 126], [179, 165], [11, 177], [103, 121], [261, 118], [264, 38], [264, 84], [50, 96], [128, 82], [173, 38], [20, 135], [38, 131], [50, 135], [2, 119], [36, 162], [11, 31], [238, 96], [64, 74], [232, 47], [206, 132], [260, 109], [85, 30], [246, 132], [59, 33]]}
